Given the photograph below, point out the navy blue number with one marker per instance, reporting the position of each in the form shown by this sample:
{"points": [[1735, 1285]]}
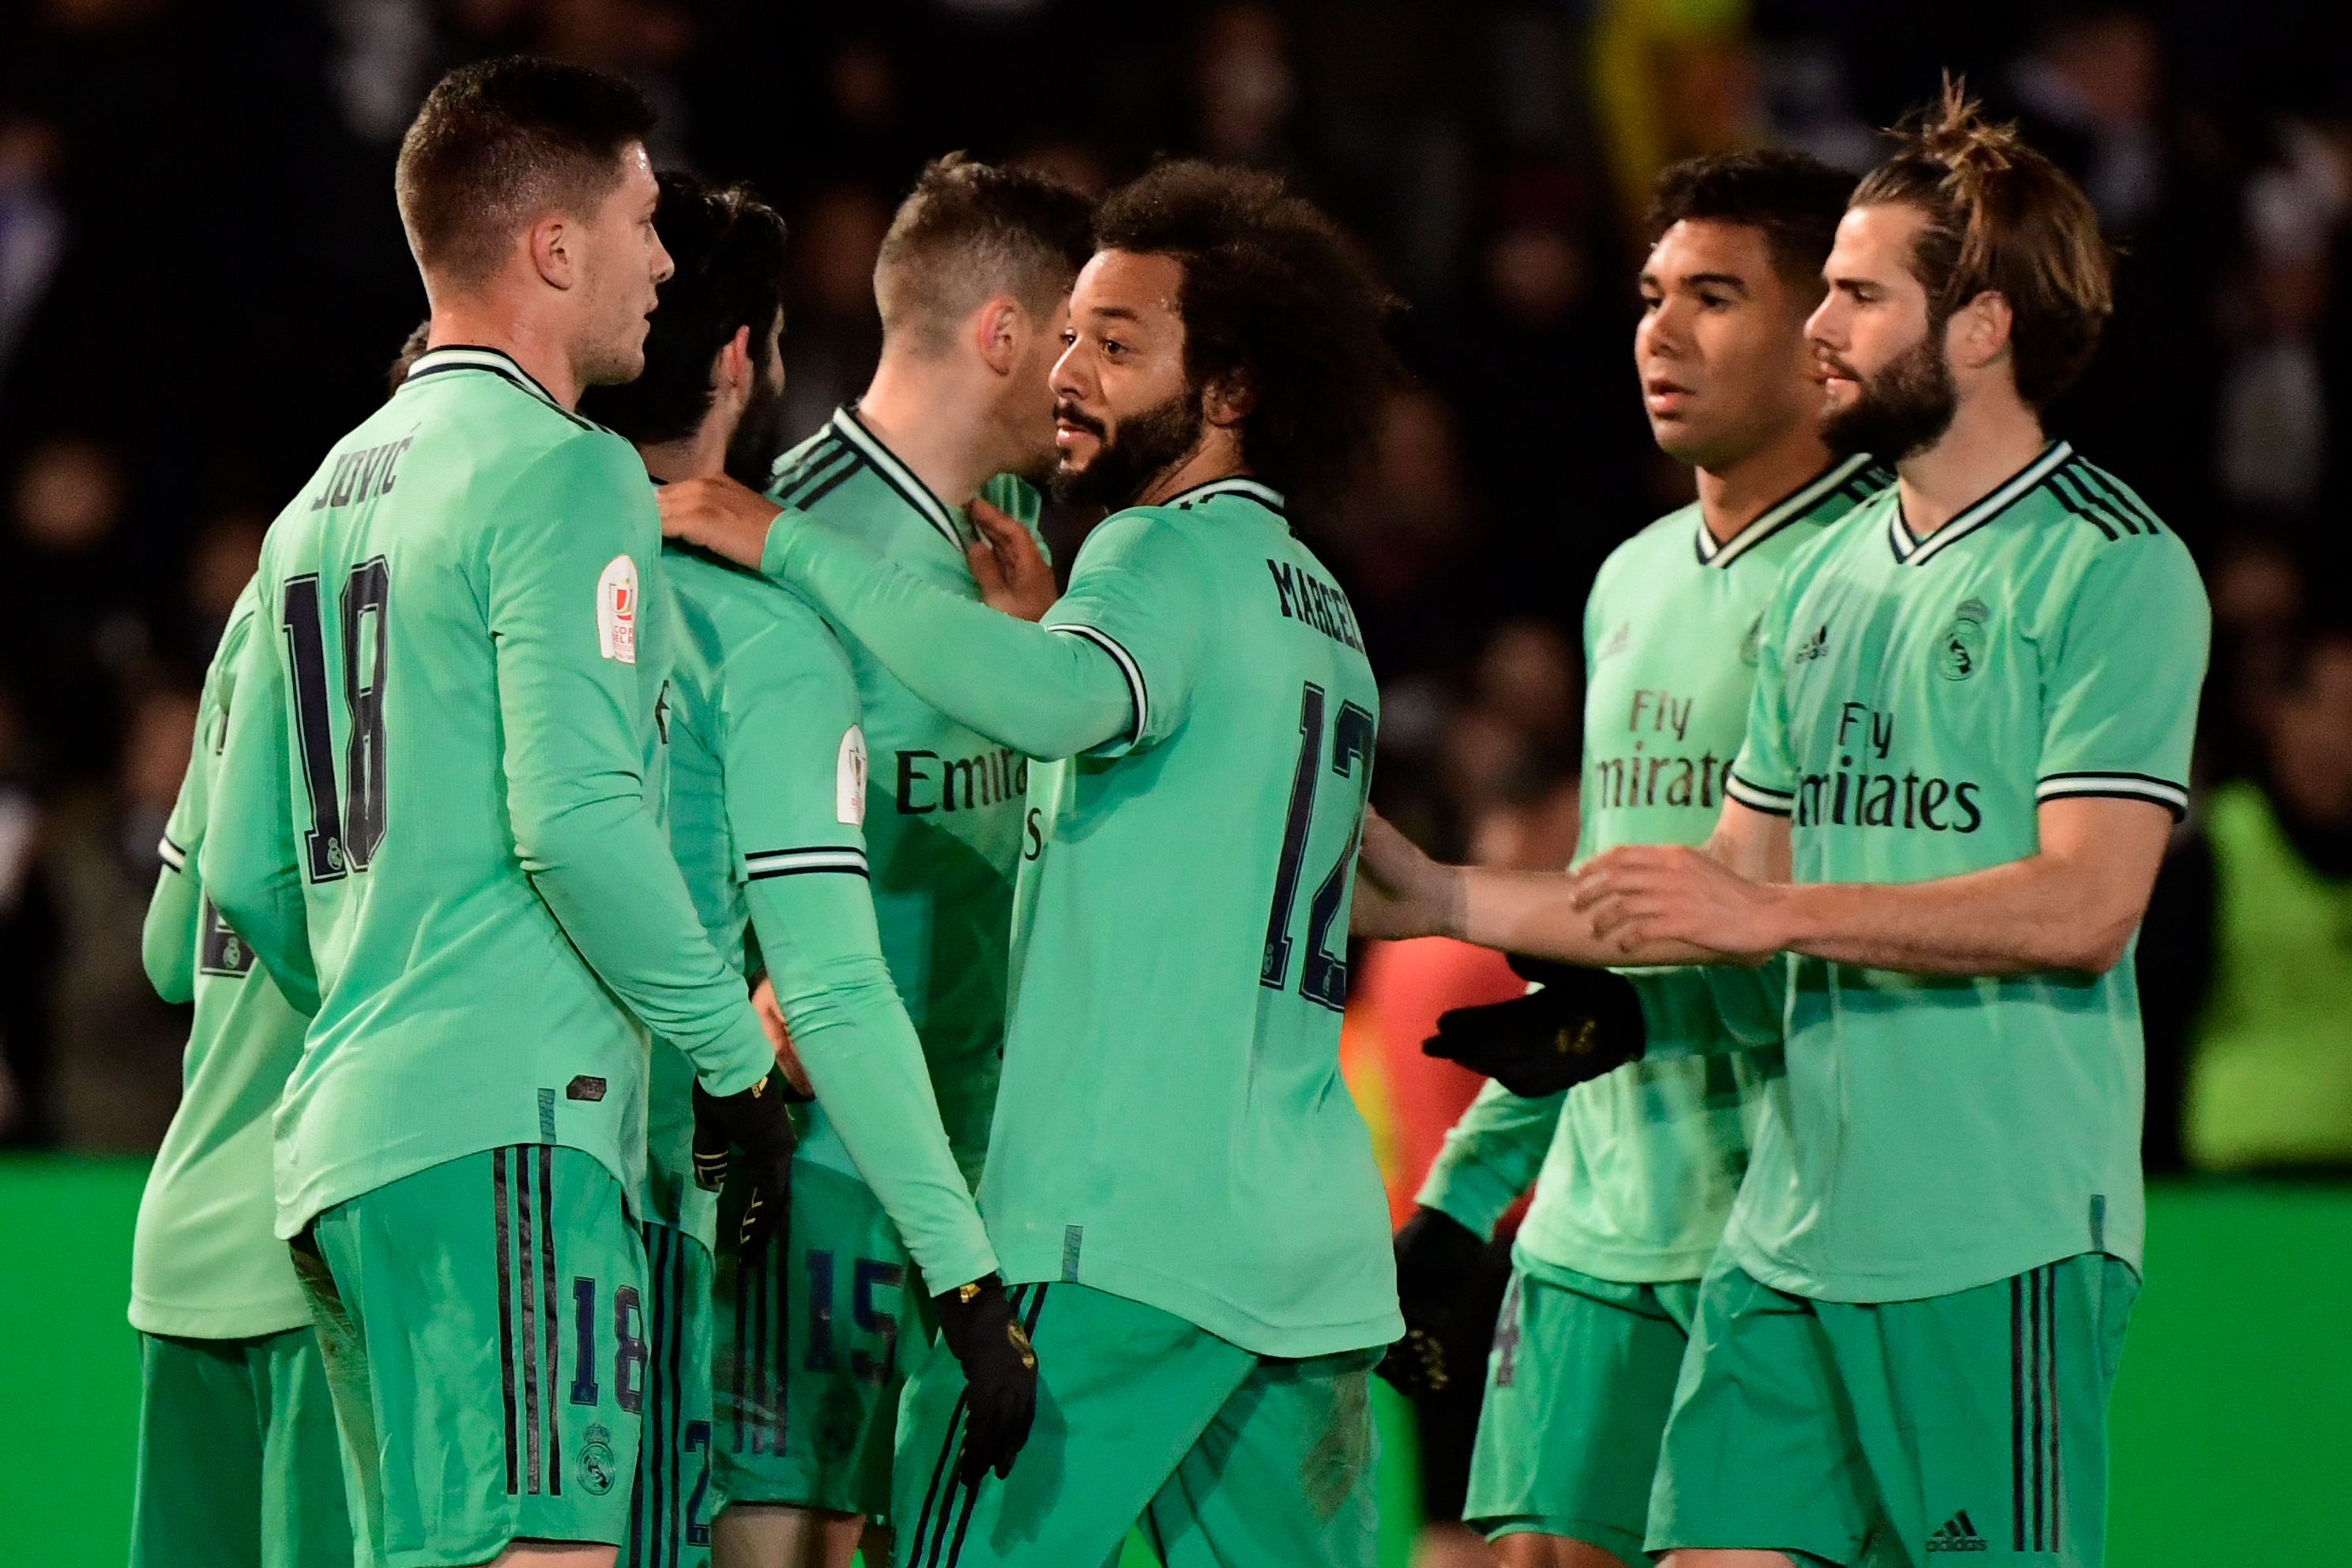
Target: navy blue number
{"points": [[819, 1356], [871, 1319], [584, 1340], [1273, 968], [698, 1441], [334, 844], [364, 598], [306, 654], [1324, 978], [629, 1355]]}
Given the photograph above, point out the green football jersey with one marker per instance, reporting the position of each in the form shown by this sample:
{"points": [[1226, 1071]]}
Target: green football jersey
{"points": [[764, 767], [436, 823], [944, 827], [1916, 700], [1171, 1126], [205, 1262], [1640, 1166]]}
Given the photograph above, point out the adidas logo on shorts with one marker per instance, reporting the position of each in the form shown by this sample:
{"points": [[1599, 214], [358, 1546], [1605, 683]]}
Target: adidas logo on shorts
{"points": [[1958, 1534]]}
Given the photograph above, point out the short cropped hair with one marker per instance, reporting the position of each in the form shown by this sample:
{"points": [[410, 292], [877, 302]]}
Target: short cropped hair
{"points": [[2002, 218], [1793, 199], [1273, 297], [969, 232], [499, 142], [729, 248]]}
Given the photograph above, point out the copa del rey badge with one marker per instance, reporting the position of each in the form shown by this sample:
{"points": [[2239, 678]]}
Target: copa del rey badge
{"points": [[616, 611]]}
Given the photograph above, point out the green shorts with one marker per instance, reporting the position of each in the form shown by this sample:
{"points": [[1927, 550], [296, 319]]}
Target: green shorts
{"points": [[1577, 1387], [237, 1456], [1973, 1424], [670, 1509], [483, 1325], [1220, 1455], [807, 1354]]}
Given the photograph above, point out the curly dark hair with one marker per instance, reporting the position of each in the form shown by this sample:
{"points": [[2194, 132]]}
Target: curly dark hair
{"points": [[1273, 297], [729, 246], [1794, 200]]}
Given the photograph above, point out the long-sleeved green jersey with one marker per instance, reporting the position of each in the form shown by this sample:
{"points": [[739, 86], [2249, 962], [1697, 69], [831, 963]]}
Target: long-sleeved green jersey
{"points": [[1171, 1126], [204, 1263], [430, 818], [766, 771]]}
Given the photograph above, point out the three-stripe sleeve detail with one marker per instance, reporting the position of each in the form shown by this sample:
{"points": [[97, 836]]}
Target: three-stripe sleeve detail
{"points": [[1756, 798], [2165, 792], [172, 854], [1138, 692], [761, 863], [529, 1327], [2036, 1485]]}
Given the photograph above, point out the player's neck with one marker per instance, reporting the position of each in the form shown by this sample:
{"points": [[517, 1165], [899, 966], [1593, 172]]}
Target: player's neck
{"points": [[1219, 456], [1736, 494], [484, 324], [698, 457], [934, 423], [1993, 435]]}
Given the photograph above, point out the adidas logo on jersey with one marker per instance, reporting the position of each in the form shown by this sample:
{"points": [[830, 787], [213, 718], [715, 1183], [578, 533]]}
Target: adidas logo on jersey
{"points": [[1812, 647], [1958, 1534]]}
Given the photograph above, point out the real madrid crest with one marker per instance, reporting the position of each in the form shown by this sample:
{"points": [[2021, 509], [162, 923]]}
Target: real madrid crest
{"points": [[1961, 650]]}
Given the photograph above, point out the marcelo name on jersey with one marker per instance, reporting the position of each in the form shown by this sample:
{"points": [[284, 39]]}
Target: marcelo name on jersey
{"points": [[1303, 596]]}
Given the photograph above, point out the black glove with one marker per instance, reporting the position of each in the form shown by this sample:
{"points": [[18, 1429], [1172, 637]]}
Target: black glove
{"points": [[1437, 1262], [1000, 1375], [758, 1124], [1583, 1024]]}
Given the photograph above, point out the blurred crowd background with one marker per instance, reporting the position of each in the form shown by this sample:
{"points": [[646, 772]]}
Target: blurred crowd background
{"points": [[203, 280]]}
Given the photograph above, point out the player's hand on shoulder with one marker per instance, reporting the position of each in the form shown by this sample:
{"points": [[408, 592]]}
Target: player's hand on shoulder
{"points": [[1012, 571], [723, 516], [1000, 1372], [1400, 892]]}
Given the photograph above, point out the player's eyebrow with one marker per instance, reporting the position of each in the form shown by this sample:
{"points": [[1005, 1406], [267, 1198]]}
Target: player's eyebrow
{"points": [[1720, 279], [1115, 313]]}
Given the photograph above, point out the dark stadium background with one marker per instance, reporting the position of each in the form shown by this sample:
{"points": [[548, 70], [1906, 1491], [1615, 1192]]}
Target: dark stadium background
{"points": [[202, 280]]}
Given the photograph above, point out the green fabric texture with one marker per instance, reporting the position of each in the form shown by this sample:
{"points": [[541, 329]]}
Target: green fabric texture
{"points": [[1171, 1126], [1577, 1387], [1146, 1420], [206, 1262], [1915, 701], [1963, 1427], [766, 771], [440, 825], [238, 1461], [487, 1337], [813, 1343], [674, 1501], [2271, 1079], [1639, 1166], [944, 802]]}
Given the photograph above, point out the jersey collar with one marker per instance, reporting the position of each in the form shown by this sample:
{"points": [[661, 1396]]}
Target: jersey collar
{"points": [[1910, 550], [1779, 514], [1264, 495], [896, 474], [468, 357]]}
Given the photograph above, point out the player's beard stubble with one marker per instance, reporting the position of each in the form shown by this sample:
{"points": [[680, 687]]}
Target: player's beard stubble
{"points": [[1147, 444], [760, 433], [1904, 409]]}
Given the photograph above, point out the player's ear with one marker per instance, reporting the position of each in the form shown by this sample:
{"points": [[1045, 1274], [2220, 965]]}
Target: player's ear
{"points": [[550, 242], [1228, 399], [998, 328], [1978, 332], [732, 368]]}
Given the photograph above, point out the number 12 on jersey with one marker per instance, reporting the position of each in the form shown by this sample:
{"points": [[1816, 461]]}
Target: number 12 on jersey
{"points": [[1323, 978]]}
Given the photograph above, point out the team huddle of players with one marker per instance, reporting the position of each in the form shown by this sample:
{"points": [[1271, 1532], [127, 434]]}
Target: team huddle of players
{"points": [[799, 1039]]}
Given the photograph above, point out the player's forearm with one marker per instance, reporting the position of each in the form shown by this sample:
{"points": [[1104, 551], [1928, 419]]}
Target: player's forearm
{"points": [[167, 940], [1045, 695], [1529, 912], [2028, 916], [600, 863], [1490, 1157], [852, 1035]]}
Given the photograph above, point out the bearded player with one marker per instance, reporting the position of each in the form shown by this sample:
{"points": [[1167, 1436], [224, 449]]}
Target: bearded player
{"points": [[1178, 1183]]}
